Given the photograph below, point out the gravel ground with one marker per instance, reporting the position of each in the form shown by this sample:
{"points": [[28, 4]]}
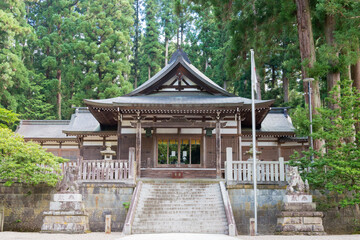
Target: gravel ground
{"points": [[168, 236]]}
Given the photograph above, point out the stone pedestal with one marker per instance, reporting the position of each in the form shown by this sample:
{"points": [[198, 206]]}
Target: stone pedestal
{"points": [[299, 217], [66, 215]]}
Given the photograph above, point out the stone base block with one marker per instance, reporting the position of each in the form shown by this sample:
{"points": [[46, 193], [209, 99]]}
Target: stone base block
{"points": [[67, 215], [67, 197], [298, 198], [66, 206], [300, 218], [299, 207], [65, 224]]}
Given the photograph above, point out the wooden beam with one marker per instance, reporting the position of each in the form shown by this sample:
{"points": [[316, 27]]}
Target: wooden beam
{"points": [[239, 137], [138, 144], [218, 148], [81, 147], [179, 124], [118, 134]]}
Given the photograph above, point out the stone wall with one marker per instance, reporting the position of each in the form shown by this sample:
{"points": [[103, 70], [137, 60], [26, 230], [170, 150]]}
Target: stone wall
{"points": [[270, 199], [269, 206], [24, 205], [106, 199]]}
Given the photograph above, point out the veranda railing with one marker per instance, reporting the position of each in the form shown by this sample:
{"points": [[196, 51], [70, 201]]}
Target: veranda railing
{"points": [[242, 171], [105, 170]]}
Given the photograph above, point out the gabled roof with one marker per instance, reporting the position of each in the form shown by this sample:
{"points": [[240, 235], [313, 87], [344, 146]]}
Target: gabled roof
{"points": [[179, 88], [178, 59]]}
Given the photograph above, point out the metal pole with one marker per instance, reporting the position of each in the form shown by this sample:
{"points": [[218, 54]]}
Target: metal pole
{"points": [[310, 116], [254, 149], [309, 80]]}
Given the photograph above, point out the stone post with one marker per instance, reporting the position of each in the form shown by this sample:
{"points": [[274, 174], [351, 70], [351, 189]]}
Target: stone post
{"points": [[282, 169], [229, 166], [108, 224]]}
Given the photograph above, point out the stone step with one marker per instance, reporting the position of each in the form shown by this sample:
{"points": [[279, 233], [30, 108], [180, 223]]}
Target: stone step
{"points": [[177, 230], [183, 224], [180, 221], [180, 207], [189, 212], [180, 228], [181, 201]]}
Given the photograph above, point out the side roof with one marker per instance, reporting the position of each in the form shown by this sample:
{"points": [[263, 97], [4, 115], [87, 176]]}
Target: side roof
{"points": [[43, 129], [83, 122]]}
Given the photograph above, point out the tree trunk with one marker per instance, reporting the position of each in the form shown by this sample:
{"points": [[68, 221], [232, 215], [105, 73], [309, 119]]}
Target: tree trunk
{"points": [[58, 76], [182, 34], [149, 72], [355, 74], [136, 44], [307, 53], [258, 88], [177, 37], [286, 87], [333, 77], [166, 50]]}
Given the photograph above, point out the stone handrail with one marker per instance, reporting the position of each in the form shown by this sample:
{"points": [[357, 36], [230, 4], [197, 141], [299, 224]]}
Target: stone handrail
{"points": [[228, 210], [132, 209]]}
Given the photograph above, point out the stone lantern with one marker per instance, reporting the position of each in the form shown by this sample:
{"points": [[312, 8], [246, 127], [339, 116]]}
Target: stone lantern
{"points": [[250, 152], [108, 153]]}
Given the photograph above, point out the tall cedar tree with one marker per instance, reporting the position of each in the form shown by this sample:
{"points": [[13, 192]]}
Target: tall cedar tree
{"points": [[151, 48], [104, 49], [136, 39], [168, 24], [14, 31]]}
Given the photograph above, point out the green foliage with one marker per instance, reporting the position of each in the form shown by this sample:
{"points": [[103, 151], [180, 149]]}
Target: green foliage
{"points": [[336, 167], [7, 118], [151, 49], [126, 205], [13, 73], [25, 162]]}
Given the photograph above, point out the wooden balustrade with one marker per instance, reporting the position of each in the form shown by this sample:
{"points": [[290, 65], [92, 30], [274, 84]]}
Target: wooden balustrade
{"points": [[105, 170], [242, 171], [100, 170]]}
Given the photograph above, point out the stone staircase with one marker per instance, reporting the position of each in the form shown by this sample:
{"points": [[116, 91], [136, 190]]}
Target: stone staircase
{"points": [[180, 207]]}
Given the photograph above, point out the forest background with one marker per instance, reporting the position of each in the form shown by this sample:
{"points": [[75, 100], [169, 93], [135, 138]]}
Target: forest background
{"points": [[55, 53]]}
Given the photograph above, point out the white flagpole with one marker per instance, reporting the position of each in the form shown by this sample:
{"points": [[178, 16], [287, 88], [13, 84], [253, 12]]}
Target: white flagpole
{"points": [[253, 88]]}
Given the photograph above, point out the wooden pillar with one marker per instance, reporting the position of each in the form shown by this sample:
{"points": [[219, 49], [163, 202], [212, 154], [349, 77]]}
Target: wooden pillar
{"points": [[218, 148], [118, 134], [279, 150], [203, 148], [239, 134], [59, 150], [81, 147], [138, 145], [104, 142]]}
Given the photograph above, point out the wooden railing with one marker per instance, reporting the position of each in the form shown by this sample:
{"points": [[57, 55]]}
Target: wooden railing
{"points": [[242, 171], [105, 170]]}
